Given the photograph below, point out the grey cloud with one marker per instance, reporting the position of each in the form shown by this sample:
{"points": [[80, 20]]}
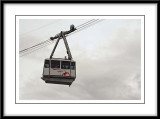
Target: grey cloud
{"points": [[111, 70]]}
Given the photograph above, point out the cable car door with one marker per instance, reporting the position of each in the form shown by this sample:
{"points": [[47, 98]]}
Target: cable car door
{"points": [[46, 68], [73, 69], [65, 66], [55, 68]]}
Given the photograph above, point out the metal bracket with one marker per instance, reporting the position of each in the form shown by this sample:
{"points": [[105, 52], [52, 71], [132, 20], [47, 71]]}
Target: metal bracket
{"points": [[55, 47], [66, 44]]}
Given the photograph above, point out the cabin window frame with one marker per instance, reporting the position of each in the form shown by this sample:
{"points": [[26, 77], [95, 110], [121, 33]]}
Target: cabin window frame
{"points": [[64, 67], [74, 67], [46, 65], [52, 66]]}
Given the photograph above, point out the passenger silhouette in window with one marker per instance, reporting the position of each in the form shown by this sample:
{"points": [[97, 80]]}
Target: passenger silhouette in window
{"points": [[65, 65], [72, 65], [55, 64], [46, 65]]}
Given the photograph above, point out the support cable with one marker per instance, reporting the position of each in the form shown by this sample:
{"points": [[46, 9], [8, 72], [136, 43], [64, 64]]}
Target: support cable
{"points": [[48, 42]]}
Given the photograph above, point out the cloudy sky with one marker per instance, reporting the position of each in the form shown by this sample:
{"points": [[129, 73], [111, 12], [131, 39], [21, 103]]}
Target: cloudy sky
{"points": [[107, 55]]}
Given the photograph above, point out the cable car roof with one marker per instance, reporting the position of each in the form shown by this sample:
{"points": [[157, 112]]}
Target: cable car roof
{"points": [[59, 59]]}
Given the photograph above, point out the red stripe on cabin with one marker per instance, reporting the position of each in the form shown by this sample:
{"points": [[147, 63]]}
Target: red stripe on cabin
{"points": [[65, 73]]}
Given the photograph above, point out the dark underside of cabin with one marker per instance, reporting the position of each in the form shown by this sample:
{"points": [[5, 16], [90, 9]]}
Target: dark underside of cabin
{"points": [[58, 80]]}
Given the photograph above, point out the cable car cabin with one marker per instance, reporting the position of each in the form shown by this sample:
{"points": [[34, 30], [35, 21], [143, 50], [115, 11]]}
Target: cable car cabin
{"points": [[59, 71]]}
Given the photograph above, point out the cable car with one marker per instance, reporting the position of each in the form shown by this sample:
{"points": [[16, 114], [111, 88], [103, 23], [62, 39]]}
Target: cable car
{"points": [[60, 70]]}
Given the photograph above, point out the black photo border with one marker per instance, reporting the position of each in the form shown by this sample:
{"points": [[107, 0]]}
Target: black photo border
{"points": [[3, 2]]}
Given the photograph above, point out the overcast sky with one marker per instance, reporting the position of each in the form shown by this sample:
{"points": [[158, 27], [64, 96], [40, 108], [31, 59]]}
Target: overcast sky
{"points": [[107, 55]]}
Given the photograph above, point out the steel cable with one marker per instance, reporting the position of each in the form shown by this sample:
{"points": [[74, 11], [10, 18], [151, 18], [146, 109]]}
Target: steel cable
{"points": [[48, 42], [78, 27]]}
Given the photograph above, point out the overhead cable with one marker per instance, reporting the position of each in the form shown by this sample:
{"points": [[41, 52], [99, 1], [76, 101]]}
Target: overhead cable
{"points": [[48, 42]]}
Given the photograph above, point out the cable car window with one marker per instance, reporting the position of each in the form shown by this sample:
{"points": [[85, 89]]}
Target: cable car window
{"points": [[65, 65], [55, 64], [46, 65], [72, 65]]}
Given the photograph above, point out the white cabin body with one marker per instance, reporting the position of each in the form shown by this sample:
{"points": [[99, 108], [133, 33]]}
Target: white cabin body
{"points": [[58, 70]]}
